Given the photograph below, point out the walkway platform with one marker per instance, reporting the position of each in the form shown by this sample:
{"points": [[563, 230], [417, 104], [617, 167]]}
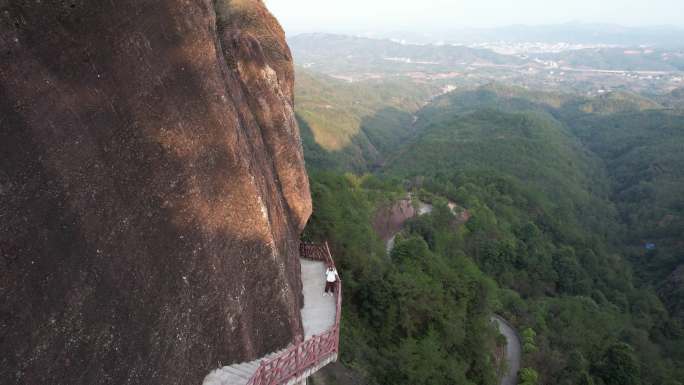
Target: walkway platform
{"points": [[318, 316], [318, 313]]}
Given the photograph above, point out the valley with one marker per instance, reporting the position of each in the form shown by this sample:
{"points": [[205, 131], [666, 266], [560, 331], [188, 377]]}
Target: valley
{"points": [[422, 194], [573, 195]]}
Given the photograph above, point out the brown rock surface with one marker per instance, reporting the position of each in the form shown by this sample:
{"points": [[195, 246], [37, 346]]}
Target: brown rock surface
{"points": [[389, 220], [152, 190]]}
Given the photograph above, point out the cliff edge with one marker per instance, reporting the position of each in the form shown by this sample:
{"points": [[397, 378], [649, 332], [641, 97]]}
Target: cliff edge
{"points": [[152, 190]]}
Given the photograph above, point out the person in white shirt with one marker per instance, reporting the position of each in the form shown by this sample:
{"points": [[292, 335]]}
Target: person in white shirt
{"points": [[330, 280]]}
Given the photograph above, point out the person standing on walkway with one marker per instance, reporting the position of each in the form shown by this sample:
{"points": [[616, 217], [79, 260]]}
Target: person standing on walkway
{"points": [[331, 278]]}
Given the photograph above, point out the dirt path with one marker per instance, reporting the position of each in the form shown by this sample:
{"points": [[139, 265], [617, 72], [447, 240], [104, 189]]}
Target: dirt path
{"points": [[513, 351]]}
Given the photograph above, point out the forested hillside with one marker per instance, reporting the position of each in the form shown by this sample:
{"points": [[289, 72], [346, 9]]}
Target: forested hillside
{"points": [[419, 316], [351, 126], [575, 232], [618, 58], [674, 99], [643, 153], [552, 234]]}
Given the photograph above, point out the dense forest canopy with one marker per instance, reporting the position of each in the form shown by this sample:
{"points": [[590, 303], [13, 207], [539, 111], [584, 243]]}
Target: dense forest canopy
{"points": [[575, 236]]}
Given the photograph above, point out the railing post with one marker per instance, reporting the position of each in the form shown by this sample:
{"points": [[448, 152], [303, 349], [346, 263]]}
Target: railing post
{"points": [[329, 256], [298, 369]]}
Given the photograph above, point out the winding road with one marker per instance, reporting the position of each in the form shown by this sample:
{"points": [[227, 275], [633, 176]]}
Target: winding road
{"points": [[422, 209], [513, 351], [513, 354]]}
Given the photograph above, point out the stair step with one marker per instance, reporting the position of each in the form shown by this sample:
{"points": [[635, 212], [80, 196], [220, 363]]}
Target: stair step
{"points": [[235, 373], [243, 368], [252, 367], [318, 315], [247, 366], [275, 354]]}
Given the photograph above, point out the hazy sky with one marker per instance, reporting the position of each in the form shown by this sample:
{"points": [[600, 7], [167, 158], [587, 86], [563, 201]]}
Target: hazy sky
{"points": [[355, 15]]}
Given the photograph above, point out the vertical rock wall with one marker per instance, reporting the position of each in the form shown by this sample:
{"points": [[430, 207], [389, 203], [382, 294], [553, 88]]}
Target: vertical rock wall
{"points": [[152, 190]]}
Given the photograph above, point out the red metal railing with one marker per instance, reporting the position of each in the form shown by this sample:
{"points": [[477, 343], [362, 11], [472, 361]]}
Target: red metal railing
{"points": [[306, 355]]}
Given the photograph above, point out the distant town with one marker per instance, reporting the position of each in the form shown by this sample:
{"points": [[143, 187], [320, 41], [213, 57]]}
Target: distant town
{"points": [[590, 69]]}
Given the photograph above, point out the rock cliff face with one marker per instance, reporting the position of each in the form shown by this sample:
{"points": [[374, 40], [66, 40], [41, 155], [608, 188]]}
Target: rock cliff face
{"points": [[152, 190]]}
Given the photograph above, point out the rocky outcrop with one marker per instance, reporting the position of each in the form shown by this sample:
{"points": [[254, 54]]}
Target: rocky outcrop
{"points": [[390, 219], [152, 190]]}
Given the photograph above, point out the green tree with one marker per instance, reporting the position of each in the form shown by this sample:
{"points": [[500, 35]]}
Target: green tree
{"points": [[528, 376], [528, 336], [619, 366]]}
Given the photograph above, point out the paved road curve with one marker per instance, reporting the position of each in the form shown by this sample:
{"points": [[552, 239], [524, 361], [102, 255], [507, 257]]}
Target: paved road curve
{"points": [[513, 351]]}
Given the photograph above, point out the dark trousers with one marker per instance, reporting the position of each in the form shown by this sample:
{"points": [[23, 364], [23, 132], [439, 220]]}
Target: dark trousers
{"points": [[330, 287]]}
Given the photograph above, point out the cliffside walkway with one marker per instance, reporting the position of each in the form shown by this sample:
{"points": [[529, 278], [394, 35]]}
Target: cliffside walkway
{"points": [[321, 321]]}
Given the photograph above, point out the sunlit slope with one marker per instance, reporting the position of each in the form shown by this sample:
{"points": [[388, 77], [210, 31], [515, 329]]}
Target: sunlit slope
{"points": [[527, 145], [531, 147], [353, 124], [518, 99]]}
